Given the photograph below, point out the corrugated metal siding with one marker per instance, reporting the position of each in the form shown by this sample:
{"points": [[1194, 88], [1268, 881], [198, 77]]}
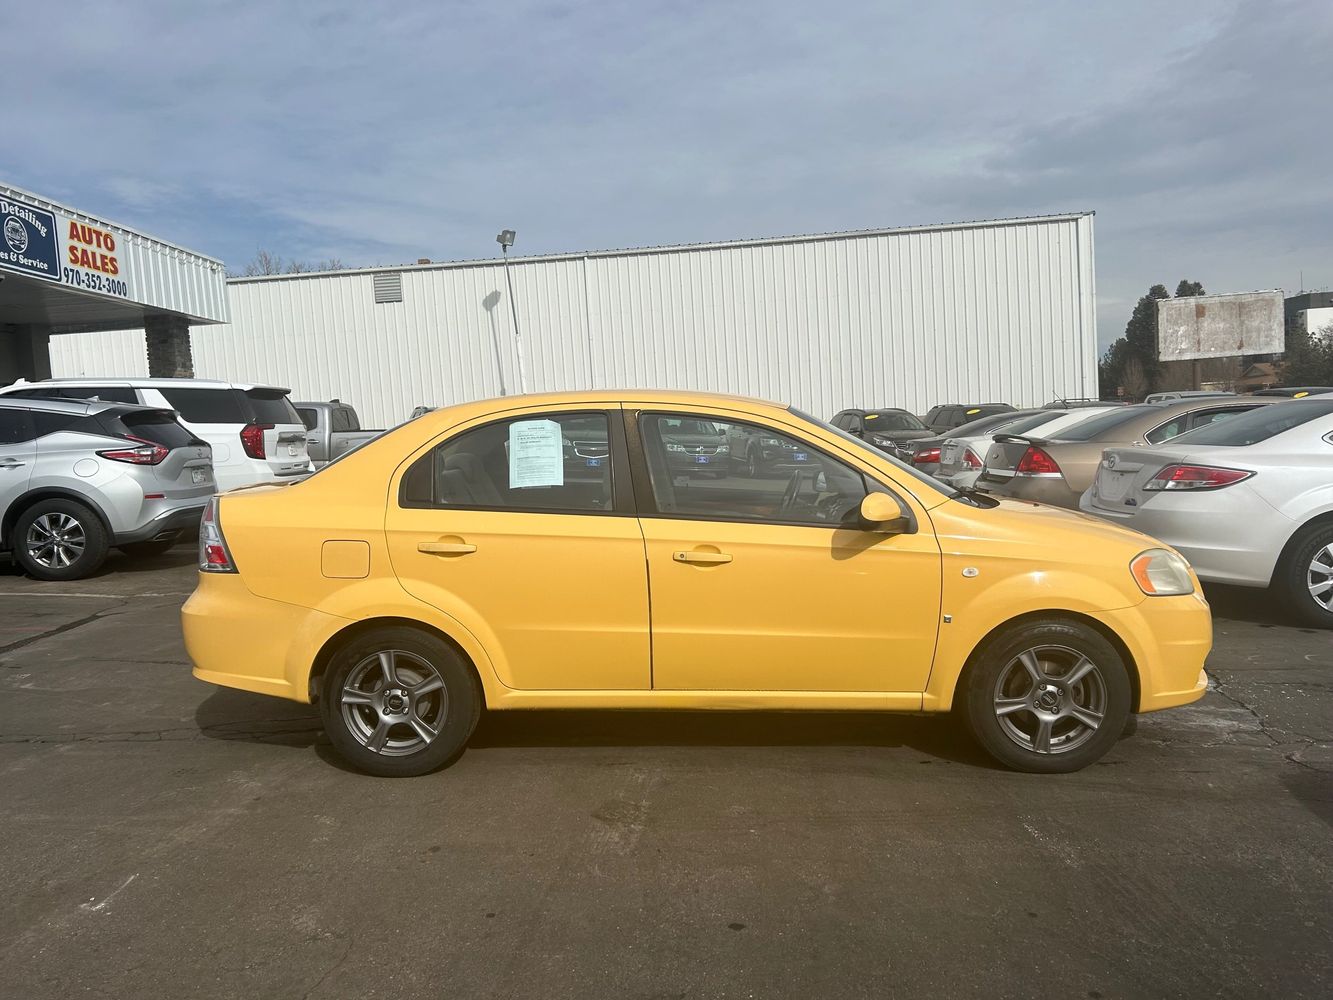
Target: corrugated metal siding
{"points": [[999, 311], [113, 352]]}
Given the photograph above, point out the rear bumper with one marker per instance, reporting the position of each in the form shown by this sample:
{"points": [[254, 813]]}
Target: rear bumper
{"points": [[1226, 539], [1169, 639], [168, 524], [1055, 492], [240, 640]]}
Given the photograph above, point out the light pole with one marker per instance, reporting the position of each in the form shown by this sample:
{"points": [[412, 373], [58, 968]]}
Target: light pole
{"points": [[506, 240]]}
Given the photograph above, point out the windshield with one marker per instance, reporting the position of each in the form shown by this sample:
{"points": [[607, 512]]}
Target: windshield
{"points": [[920, 477], [1094, 427], [1256, 425], [892, 420]]}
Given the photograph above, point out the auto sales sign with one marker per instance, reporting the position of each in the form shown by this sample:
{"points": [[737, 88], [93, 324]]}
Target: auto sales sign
{"points": [[72, 252]]}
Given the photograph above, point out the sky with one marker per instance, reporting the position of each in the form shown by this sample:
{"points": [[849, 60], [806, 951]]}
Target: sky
{"points": [[377, 133]]}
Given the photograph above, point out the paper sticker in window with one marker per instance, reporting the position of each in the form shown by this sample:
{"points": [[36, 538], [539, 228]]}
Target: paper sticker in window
{"points": [[536, 455]]}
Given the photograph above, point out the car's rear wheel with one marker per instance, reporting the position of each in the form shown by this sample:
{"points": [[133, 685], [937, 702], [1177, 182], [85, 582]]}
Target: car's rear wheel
{"points": [[59, 540], [399, 703], [1306, 575], [1047, 696]]}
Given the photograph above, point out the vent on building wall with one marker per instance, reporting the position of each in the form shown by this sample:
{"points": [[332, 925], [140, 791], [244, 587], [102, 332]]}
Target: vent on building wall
{"points": [[388, 287]]}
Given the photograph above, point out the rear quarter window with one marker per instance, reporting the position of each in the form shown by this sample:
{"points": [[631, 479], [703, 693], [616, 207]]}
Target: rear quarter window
{"points": [[160, 428]]}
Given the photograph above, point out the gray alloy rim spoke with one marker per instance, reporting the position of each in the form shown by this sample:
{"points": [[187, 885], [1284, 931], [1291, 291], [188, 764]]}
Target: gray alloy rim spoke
{"points": [[1042, 741], [56, 540], [387, 664], [1030, 664], [1319, 579], [379, 736], [1087, 716], [1081, 669], [1050, 699], [394, 702], [428, 686]]}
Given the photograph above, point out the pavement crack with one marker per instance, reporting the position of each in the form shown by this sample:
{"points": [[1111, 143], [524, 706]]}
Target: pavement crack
{"points": [[61, 629]]}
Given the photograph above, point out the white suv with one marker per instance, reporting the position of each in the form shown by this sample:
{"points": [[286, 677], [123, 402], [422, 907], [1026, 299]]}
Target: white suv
{"points": [[255, 433]]}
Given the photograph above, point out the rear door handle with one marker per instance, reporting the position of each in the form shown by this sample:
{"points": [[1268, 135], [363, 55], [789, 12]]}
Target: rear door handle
{"points": [[707, 558], [446, 548], [11, 463]]}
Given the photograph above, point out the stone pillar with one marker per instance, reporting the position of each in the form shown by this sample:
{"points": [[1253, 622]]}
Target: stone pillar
{"points": [[169, 353], [25, 352]]}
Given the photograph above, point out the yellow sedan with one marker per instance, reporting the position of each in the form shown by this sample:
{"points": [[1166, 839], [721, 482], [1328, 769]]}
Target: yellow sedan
{"points": [[618, 550]]}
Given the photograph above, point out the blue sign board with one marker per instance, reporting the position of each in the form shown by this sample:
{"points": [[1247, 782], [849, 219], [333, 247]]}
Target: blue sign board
{"points": [[28, 242]]}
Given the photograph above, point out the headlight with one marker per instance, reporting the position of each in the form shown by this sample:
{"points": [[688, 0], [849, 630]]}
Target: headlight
{"points": [[672, 446], [1160, 573], [723, 449], [770, 442]]}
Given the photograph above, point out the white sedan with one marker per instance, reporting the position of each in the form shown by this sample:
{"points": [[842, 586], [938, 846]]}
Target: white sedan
{"points": [[962, 459], [1248, 500]]}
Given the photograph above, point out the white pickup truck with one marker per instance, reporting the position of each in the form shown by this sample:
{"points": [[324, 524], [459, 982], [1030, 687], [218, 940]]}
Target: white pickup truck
{"points": [[332, 429]]}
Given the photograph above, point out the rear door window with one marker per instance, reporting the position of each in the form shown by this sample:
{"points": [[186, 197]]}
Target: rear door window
{"points": [[309, 416], [50, 423], [207, 406]]}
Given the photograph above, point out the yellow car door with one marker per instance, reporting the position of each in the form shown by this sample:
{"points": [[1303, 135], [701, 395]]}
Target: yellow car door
{"points": [[762, 579], [522, 529]]}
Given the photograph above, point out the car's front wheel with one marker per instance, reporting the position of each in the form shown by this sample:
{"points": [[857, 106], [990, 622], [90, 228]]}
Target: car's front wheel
{"points": [[398, 702], [59, 540], [1305, 576], [1047, 696]]}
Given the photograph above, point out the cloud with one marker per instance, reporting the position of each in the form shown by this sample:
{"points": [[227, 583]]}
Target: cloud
{"points": [[379, 133]]}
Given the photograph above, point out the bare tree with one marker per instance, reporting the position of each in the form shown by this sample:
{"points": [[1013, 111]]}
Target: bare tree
{"points": [[1134, 379], [264, 263]]}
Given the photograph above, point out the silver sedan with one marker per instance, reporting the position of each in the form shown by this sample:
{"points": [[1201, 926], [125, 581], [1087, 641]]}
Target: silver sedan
{"points": [[1247, 500]]}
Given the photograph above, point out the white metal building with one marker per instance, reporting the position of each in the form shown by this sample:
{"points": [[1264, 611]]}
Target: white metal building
{"points": [[972, 312]]}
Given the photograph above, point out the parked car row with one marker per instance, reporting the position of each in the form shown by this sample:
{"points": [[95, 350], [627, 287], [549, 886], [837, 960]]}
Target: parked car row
{"points": [[91, 464]]}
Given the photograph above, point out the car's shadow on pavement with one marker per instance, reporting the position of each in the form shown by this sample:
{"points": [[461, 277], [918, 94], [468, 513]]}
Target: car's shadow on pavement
{"points": [[1247, 604], [229, 714]]}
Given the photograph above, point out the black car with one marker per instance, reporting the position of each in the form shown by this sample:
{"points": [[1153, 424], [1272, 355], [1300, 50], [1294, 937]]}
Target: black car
{"points": [[886, 429], [948, 416], [696, 447]]}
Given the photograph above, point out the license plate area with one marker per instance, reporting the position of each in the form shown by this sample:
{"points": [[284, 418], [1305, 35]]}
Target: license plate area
{"points": [[198, 476]]}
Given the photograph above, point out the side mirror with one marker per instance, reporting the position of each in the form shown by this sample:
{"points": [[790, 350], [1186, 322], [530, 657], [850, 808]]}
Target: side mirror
{"points": [[880, 512]]}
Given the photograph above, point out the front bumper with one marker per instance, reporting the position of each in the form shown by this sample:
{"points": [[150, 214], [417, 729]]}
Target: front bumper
{"points": [[1169, 638]]}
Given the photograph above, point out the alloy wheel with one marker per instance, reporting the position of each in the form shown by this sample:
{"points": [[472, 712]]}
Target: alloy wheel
{"points": [[1319, 577], [56, 540], [1050, 699], [394, 703]]}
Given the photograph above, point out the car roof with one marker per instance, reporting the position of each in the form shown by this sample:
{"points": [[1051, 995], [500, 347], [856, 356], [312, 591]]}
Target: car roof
{"points": [[151, 383], [79, 406]]}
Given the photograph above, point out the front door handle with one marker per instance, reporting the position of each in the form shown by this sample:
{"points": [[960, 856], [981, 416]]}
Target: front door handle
{"points": [[446, 548], [706, 558]]}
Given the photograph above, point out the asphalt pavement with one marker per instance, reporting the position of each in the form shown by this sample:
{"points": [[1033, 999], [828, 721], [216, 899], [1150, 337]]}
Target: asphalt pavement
{"points": [[165, 838]]}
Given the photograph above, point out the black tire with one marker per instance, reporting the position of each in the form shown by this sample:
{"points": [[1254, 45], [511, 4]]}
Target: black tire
{"points": [[1007, 710], [71, 526], [146, 550], [452, 710], [1298, 571], [752, 464]]}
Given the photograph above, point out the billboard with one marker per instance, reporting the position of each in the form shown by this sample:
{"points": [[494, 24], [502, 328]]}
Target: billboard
{"points": [[1219, 326], [74, 252]]}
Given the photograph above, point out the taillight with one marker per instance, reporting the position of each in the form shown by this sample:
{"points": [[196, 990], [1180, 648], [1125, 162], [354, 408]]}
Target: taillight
{"points": [[214, 556], [971, 460], [926, 456], [1036, 462], [252, 439], [147, 452], [1195, 477]]}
